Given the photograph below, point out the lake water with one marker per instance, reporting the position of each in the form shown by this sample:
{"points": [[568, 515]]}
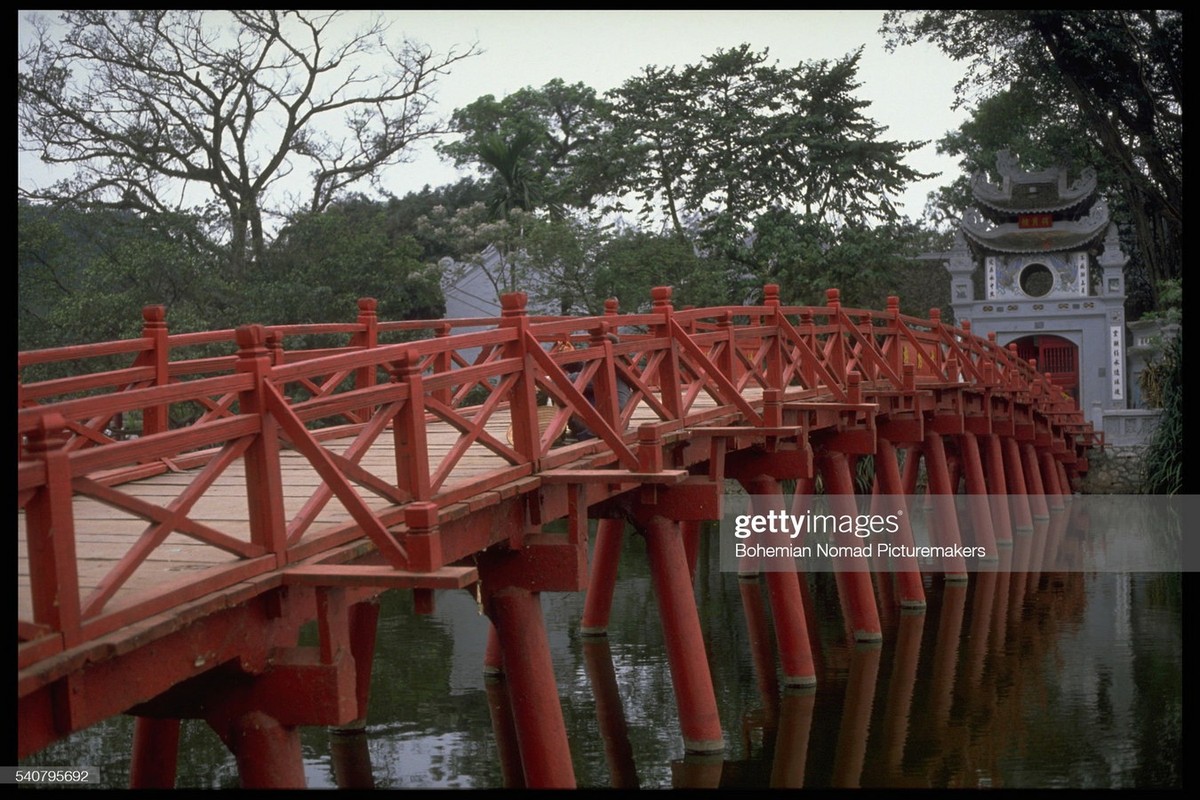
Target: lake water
{"points": [[1013, 680]]}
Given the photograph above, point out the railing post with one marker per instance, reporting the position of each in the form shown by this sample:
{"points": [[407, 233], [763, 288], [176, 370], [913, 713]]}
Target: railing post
{"points": [[409, 431], [895, 347], [50, 533], [808, 334], [604, 384], [935, 320], [274, 344], [668, 369], [775, 353], [156, 419], [836, 355], [367, 338], [727, 361], [523, 405], [264, 480], [443, 362]]}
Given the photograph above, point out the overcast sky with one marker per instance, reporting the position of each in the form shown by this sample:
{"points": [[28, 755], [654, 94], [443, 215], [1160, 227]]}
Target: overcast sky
{"points": [[910, 91]]}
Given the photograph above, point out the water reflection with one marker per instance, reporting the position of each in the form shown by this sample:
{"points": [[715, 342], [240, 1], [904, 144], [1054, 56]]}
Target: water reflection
{"points": [[1026, 679]]}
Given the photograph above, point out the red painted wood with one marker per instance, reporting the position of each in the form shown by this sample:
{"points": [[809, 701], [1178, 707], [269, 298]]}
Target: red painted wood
{"points": [[828, 372]]}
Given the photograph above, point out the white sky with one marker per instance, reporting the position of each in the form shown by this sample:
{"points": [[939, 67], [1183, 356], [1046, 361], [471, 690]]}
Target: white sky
{"points": [[910, 91]]}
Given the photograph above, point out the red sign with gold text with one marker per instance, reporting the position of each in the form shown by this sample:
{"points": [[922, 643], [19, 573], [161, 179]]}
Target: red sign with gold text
{"points": [[1035, 221]]}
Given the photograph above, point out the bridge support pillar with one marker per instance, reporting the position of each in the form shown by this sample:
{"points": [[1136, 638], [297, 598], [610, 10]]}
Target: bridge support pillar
{"points": [[1050, 480], [998, 488], [267, 752], [977, 495], [350, 757], [1064, 481], [853, 573], [694, 696], [537, 713], [606, 555], [942, 491], [1033, 482], [155, 753], [908, 573], [1022, 517], [787, 607]]}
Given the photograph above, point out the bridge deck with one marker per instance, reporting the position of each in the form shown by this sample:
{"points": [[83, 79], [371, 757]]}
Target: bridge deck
{"points": [[105, 534], [305, 481]]}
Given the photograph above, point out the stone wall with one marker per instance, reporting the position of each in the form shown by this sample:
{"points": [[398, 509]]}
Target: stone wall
{"points": [[1116, 470]]}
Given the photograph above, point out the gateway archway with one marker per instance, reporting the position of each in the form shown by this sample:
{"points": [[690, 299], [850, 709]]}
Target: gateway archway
{"points": [[1055, 355]]}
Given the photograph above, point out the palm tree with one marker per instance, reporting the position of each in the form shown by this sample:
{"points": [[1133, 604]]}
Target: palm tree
{"points": [[516, 185]]}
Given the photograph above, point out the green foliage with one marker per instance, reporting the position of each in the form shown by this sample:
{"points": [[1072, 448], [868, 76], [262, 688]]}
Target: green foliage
{"points": [[549, 134], [633, 262], [867, 264], [320, 265], [85, 276], [719, 143], [1164, 458]]}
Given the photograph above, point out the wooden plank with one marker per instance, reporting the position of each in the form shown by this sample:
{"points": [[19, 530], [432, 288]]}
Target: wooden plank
{"points": [[558, 476], [381, 576]]}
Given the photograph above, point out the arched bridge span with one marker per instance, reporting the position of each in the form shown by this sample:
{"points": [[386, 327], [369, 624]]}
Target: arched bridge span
{"points": [[284, 474]]}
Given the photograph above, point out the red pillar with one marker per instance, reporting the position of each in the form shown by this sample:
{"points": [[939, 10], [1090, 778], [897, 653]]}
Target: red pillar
{"points": [[493, 657], [977, 496], [694, 696], [853, 574], [1064, 482], [155, 753], [1050, 480], [537, 713], [267, 753], [606, 555], [350, 757], [942, 494], [1022, 516], [364, 619], [908, 573], [998, 488], [1033, 483]]}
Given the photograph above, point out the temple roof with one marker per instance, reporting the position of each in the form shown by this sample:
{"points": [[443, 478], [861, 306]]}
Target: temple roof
{"points": [[1029, 192], [1008, 237]]}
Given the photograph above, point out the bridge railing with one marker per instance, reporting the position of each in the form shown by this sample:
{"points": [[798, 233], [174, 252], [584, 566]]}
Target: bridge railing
{"points": [[334, 408]]}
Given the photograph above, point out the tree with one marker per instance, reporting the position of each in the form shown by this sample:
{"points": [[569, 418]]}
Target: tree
{"points": [[84, 276], [1120, 71], [146, 105], [555, 130], [719, 143], [322, 262]]}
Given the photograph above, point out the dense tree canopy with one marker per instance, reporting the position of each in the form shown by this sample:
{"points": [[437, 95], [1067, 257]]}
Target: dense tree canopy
{"points": [[721, 142]]}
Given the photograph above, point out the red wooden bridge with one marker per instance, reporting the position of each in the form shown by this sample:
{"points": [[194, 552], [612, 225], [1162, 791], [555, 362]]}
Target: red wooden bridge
{"points": [[167, 574]]}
